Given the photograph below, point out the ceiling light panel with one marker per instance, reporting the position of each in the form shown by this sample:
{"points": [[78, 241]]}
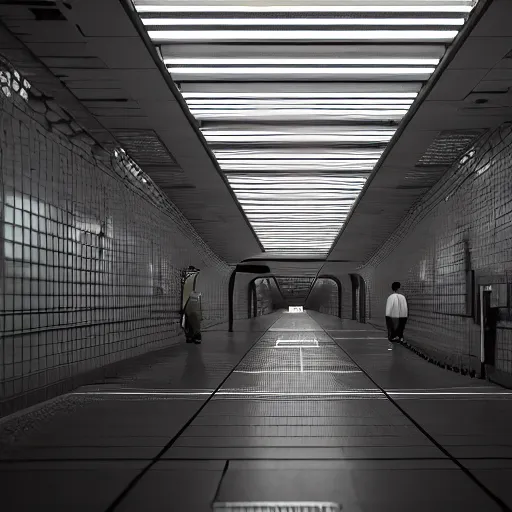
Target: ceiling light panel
{"points": [[303, 212], [298, 128], [304, 6]]}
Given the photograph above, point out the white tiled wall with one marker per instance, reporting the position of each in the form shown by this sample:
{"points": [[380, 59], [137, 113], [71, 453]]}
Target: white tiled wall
{"points": [[464, 221], [90, 270]]}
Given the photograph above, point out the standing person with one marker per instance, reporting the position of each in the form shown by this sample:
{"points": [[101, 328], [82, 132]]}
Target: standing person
{"points": [[192, 318], [396, 314]]}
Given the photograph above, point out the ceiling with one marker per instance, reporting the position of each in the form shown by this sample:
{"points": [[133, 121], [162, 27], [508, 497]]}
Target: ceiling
{"points": [[99, 68], [298, 101], [471, 94], [105, 71]]}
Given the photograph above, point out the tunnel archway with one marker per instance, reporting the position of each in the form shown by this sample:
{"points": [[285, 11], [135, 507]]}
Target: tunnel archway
{"points": [[333, 297], [246, 269], [260, 295]]}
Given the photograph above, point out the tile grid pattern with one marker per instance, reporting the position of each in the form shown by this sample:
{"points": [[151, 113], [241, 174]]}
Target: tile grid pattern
{"points": [[91, 263], [467, 215], [362, 453]]}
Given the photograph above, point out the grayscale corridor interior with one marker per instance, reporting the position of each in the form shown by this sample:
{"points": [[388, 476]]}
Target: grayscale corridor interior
{"points": [[255, 255]]}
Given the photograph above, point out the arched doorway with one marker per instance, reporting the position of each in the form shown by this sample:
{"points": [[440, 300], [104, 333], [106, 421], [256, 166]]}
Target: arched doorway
{"points": [[326, 295], [264, 296]]}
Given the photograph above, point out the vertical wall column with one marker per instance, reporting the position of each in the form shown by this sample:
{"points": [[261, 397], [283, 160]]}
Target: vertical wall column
{"points": [[245, 269], [358, 298]]}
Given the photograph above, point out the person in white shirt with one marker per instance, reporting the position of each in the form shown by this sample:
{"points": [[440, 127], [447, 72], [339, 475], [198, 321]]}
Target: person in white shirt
{"points": [[396, 314]]}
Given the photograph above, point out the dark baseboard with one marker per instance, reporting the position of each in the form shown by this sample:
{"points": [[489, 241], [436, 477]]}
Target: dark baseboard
{"points": [[498, 377], [441, 360], [55, 389]]}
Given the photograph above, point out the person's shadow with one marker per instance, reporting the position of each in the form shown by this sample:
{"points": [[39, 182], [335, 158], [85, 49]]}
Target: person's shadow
{"points": [[194, 374]]}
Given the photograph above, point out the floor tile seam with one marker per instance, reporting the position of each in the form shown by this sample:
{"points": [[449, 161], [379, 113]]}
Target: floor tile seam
{"points": [[219, 485], [354, 425], [360, 442], [456, 460], [342, 446], [42, 460], [119, 499], [298, 436], [8, 463]]}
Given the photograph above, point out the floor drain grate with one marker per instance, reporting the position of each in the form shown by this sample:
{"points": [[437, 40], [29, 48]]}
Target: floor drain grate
{"points": [[253, 506]]}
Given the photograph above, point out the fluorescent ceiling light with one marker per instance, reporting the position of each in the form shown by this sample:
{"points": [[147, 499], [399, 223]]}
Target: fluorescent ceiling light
{"points": [[297, 242], [351, 114], [268, 244], [291, 102], [278, 194], [321, 200], [314, 110], [298, 138], [246, 155], [303, 179], [305, 35], [310, 196], [298, 236], [313, 107], [285, 247], [306, 232], [300, 228], [277, 224], [291, 233], [302, 216], [306, 95], [300, 71], [428, 8], [250, 61], [295, 186], [353, 192], [383, 22], [324, 216], [291, 204], [284, 103], [298, 187], [298, 215], [292, 210], [263, 162], [278, 181], [299, 180], [300, 193], [311, 209], [299, 166], [301, 241], [284, 131], [296, 113]]}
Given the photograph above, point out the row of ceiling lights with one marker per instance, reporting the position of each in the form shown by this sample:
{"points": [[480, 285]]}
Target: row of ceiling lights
{"points": [[297, 150]]}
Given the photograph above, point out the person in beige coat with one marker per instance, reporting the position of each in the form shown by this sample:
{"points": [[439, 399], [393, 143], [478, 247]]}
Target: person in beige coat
{"points": [[192, 318]]}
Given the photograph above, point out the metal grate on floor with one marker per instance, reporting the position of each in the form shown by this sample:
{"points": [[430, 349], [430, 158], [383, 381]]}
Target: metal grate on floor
{"points": [[276, 507]]}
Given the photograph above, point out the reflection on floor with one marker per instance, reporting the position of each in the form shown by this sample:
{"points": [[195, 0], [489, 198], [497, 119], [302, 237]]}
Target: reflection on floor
{"points": [[296, 408]]}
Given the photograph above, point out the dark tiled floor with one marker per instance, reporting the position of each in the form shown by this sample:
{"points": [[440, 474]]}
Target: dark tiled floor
{"points": [[316, 410]]}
